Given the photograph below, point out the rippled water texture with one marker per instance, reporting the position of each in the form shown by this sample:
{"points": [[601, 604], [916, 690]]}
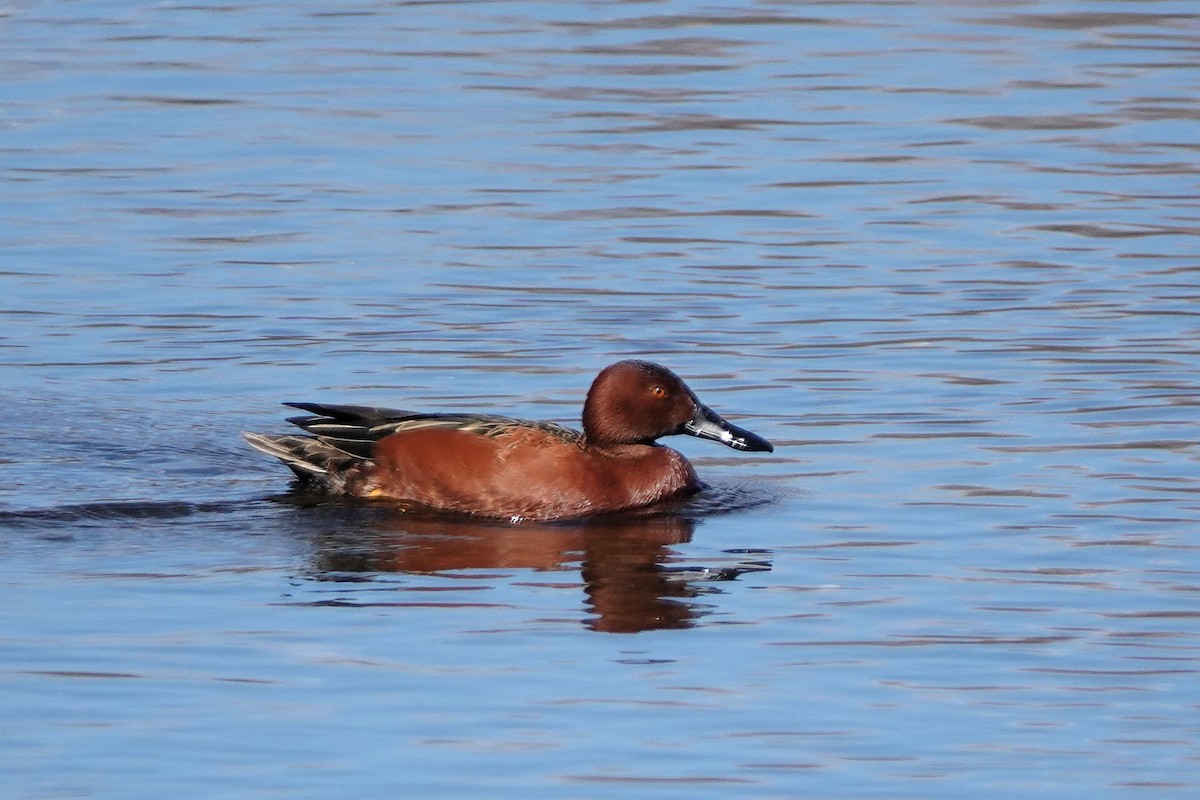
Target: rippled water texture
{"points": [[944, 256]]}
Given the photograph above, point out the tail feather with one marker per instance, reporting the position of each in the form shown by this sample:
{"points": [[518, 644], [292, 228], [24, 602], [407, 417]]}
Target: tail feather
{"points": [[314, 461], [337, 457], [353, 429]]}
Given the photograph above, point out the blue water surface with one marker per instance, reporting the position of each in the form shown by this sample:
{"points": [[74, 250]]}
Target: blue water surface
{"points": [[943, 256]]}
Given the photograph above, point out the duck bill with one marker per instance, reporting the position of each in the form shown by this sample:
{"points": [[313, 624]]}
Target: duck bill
{"points": [[708, 424]]}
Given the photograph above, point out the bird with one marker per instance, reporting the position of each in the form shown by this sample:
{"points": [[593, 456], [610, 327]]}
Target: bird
{"points": [[492, 466]]}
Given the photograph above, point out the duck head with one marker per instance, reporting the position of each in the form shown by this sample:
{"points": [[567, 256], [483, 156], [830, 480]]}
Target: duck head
{"points": [[636, 402]]}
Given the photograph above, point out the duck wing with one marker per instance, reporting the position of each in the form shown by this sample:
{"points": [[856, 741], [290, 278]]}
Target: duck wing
{"points": [[355, 429]]}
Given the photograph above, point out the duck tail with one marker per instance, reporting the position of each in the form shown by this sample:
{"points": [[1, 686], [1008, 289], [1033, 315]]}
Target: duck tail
{"points": [[316, 463]]}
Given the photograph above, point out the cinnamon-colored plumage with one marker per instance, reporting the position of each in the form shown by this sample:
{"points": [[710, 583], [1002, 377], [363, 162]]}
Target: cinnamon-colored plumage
{"points": [[502, 467]]}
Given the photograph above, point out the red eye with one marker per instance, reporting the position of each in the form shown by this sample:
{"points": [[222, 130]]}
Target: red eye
{"points": [[658, 391]]}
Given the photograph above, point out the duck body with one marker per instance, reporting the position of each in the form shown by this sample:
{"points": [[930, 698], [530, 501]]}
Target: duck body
{"points": [[502, 467]]}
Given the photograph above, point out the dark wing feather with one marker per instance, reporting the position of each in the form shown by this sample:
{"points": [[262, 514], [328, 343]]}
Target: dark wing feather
{"points": [[355, 429]]}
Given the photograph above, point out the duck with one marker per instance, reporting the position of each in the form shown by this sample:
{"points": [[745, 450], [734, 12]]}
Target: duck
{"points": [[491, 466]]}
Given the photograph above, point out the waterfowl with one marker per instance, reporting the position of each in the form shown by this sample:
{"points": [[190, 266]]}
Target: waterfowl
{"points": [[495, 466]]}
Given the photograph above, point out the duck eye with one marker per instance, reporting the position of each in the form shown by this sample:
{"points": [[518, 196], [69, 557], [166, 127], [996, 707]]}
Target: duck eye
{"points": [[658, 391]]}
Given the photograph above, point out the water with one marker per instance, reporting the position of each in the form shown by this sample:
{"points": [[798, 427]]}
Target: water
{"points": [[942, 255]]}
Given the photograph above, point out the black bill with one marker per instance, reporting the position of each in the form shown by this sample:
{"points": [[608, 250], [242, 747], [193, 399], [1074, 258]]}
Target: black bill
{"points": [[708, 424]]}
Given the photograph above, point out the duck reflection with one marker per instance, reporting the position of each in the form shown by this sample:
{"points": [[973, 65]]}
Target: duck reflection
{"points": [[624, 561]]}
